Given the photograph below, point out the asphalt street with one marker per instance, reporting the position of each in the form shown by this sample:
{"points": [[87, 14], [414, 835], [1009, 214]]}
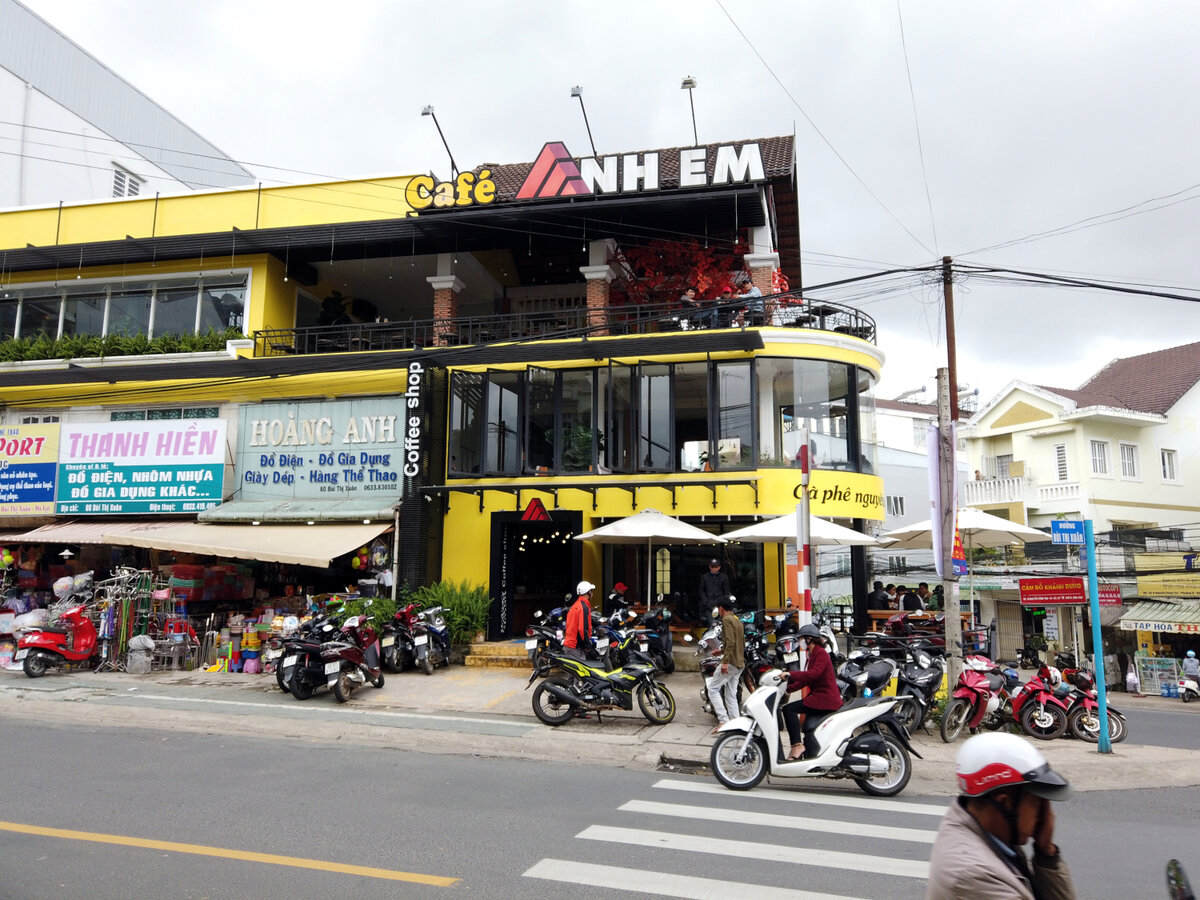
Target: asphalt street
{"points": [[215, 804]]}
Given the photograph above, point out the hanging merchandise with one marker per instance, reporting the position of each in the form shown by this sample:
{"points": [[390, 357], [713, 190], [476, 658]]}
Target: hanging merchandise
{"points": [[381, 557]]}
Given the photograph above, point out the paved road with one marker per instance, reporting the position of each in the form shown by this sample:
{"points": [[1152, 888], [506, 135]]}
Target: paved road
{"points": [[217, 803], [1162, 725]]}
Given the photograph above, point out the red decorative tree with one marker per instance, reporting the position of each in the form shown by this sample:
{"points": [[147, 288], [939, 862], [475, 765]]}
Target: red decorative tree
{"points": [[660, 271]]}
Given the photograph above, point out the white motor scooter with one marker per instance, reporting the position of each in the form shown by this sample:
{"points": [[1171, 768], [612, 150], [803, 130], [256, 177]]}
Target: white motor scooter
{"points": [[1189, 689], [748, 747]]}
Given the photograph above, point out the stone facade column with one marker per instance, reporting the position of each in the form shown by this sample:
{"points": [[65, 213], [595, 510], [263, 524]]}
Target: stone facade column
{"points": [[761, 267], [445, 306], [598, 280]]}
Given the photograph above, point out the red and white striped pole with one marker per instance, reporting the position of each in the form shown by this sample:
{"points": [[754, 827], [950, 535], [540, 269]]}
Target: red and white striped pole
{"points": [[803, 551]]}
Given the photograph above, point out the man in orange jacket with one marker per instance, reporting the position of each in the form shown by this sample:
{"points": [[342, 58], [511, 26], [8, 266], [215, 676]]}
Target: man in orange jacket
{"points": [[577, 632]]}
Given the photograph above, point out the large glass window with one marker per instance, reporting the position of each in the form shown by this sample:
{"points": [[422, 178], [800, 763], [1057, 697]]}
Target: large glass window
{"points": [[83, 315], [735, 416], [866, 423], [8, 319], [578, 427], [129, 311], [619, 444], [541, 435], [794, 393], [466, 401], [502, 415], [223, 306], [39, 315], [654, 418], [691, 416], [175, 310]]}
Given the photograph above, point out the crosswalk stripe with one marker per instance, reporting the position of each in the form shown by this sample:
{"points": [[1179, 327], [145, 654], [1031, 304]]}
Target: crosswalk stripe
{"points": [[662, 884], [830, 859], [922, 809], [742, 817]]}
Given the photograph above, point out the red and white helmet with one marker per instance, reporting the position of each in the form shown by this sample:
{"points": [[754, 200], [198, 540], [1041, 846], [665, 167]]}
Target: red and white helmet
{"points": [[988, 762], [1052, 675]]}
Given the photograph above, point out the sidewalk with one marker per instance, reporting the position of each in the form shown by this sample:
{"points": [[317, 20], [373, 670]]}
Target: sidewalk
{"points": [[487, 712]]}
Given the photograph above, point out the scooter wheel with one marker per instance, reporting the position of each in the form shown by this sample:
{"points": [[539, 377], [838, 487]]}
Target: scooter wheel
{"points": [[300, 688], [1186, 696], [736, 770], [343, 687], [427, 664], [899, 770], [377, 682], [283, 676], [1045, 725], [954, 718], [35, 665], [656, 703], [549, 708]]}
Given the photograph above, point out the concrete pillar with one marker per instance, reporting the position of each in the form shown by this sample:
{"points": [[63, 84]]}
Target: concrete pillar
{"points": [[598, 280], [761, 267], [445, 306]]}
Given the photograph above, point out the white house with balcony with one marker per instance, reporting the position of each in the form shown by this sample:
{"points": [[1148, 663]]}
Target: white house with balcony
{"points": [[1120, 450]]}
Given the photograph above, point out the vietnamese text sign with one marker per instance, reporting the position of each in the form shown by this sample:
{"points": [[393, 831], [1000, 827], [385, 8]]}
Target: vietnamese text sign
{"points": [[1066, 531], [1161, 627], [1167, 574], [958, 558], [332, 450], [122, 468], [832, 493], [28, 467], [1065, 591]]}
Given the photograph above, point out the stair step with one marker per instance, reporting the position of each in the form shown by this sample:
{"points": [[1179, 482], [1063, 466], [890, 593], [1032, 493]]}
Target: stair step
{"points": [[496, 662], [498, 648]]}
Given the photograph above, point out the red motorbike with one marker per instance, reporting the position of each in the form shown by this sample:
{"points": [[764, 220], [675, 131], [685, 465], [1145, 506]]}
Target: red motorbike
{"points": [[69, 642], [1041, 707], [1083, 714], [352, 660], [979, 700]]}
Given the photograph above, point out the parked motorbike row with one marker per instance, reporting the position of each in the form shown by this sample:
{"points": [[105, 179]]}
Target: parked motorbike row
{"points": [[760, 658], [1052, 703], [347, 653], [619, 638], [69, 640]]}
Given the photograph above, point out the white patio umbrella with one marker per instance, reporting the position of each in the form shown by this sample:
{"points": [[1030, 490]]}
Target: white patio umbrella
{"points": [[978, 529], [652, 528], [821, 532]]}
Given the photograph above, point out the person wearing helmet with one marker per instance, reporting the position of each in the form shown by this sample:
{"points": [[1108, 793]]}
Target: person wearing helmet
{"points": [[823, 694], [577, 632], [1005, 788], [723, 683], [1191, 666]]}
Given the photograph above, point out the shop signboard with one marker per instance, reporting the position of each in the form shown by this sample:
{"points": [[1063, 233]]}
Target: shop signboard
{"points": [[1160, 627], [1064, 591], [132, 468], [1167, 575], [28, 469], [832, 493], [327, 450]]}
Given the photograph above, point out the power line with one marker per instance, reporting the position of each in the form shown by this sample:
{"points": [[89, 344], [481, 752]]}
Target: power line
{"points": [[820, 133], [917, 126]]}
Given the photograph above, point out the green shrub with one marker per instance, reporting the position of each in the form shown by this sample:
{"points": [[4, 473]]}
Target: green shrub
{"points": [[465, 607]]}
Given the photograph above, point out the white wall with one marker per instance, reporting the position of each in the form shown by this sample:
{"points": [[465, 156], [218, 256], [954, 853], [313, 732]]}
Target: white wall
{"points": [[65, 158]]}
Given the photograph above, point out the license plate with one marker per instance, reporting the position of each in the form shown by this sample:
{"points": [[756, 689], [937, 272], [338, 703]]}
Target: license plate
{"points": [[289, 661], [559, 634], [643, 647], [531, 644], [21, 654], [332, 668], [389, 640], [791, 657], [421, 641]]}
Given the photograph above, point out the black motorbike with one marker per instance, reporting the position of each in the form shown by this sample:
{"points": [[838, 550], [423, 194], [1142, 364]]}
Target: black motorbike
{"points": [[583, 689], [304, 647], [918, 679]]}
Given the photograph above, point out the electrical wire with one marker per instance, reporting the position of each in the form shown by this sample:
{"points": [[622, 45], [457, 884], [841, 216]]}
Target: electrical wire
{"points": [[820, 133], [917, 126]]}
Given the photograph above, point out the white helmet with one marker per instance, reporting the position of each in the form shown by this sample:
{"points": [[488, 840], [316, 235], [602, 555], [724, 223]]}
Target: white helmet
{"points": [[584, 587], [1053, 676], [988, 762]]}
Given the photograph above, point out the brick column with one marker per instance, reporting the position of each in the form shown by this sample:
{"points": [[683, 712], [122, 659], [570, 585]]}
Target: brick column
{"points": [[598, 280], [761, 267], [445, 306]]}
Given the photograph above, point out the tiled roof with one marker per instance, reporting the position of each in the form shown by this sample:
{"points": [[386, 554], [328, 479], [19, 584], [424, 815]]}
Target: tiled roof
{"points": [[776, 156], [1152, 382]]}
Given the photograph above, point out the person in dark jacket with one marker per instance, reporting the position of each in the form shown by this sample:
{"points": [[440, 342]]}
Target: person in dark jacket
{"points": [[878, 598], [823, 694], [714, 589]]}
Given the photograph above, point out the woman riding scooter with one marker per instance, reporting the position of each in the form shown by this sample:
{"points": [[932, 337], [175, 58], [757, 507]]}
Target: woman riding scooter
{"points": [[823, 694]]}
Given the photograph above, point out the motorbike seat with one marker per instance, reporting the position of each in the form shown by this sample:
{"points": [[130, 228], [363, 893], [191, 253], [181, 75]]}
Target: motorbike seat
{"points": [[56, 629], [858, 702], [995, 681]]}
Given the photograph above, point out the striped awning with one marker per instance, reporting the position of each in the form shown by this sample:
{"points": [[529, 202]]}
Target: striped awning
{"points": [[1163, 616], [87, 531]]}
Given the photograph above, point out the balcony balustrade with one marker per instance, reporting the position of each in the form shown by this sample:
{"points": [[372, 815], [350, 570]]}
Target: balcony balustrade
{"points": [[1016, 489], [783, 310]]}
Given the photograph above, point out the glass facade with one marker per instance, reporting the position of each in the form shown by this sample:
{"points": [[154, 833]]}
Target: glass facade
{"points": [[142, 306], [662, 417]]}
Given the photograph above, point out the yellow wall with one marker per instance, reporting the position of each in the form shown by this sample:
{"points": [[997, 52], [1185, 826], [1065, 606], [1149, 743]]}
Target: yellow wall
{"points": [[210, 212]]}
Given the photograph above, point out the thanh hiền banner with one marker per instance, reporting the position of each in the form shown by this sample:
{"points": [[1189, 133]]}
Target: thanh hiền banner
{"points": [[124, 468]]}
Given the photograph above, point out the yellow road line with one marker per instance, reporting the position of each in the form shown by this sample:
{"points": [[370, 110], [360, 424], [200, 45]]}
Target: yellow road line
{"points": [[245, 855]]}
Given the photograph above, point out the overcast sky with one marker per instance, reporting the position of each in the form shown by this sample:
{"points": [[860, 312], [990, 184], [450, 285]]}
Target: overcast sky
{"points": [[1030, 116]]}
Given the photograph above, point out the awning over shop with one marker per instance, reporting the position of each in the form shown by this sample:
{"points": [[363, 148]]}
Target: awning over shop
{"points": [[89, 531], [281, 511], [1166, 616], [303, 545]]}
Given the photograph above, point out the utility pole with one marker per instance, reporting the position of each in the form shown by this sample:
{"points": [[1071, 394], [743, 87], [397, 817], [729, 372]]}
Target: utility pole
{"points": [[948, 482]]}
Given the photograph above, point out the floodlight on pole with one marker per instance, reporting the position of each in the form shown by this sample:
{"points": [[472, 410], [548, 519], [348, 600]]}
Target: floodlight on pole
{"points": [[577, 91], [428, 111], [689, 84]]}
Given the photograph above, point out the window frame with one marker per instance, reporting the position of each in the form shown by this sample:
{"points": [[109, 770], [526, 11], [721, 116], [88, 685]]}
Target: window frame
{"points": [[1136, 459], [1162, 459], [1095, 444], [1062, 465]]}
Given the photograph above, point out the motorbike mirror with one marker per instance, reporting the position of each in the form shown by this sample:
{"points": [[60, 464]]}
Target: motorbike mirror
{"points": [[1178, 886], [537, 614], [688, 639]]}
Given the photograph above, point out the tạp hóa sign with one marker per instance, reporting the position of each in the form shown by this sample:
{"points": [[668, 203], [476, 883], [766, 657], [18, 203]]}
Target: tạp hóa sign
{"points": [[28, 469], [131, 468]]}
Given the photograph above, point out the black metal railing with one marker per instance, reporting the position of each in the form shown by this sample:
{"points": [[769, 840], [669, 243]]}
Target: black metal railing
{"points": [[781, 310]]}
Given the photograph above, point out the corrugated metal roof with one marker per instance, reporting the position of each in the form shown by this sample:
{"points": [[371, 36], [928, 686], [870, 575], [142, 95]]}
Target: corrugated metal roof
{"points": [[89, 531], [35, 51], [1183, 612]]}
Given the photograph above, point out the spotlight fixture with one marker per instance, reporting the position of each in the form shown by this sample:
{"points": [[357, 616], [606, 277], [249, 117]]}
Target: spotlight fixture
{"points": [[577, 92], [689, 84], [428, 111]]}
